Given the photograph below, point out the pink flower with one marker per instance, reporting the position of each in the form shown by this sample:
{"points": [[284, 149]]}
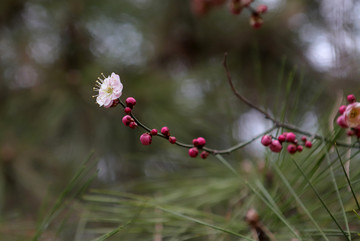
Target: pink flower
{"points": [[352, 115], [109, 89]]}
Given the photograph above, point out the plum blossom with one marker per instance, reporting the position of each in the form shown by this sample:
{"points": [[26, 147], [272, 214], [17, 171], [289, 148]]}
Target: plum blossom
{"points": [[110, 89], [352, 115]]}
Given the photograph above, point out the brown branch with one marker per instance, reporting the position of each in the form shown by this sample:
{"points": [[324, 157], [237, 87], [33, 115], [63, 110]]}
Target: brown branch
{"points": [[242, 98], [275, 121], [210, 150]]}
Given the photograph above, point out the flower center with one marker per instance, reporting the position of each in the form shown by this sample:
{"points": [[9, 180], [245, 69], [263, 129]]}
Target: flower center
{"points": [[109, 90], [353, 113]]}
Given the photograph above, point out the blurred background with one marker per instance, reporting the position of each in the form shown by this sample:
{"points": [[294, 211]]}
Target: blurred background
{"points": [[169, 57]]}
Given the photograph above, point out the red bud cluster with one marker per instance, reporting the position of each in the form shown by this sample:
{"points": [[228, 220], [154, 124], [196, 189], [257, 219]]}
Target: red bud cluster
{"points": [[127, 120], [198, 143], [276, 144]]}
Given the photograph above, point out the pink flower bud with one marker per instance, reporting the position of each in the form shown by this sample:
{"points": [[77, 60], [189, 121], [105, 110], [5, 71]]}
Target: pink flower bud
{"points": [[115, 103], [291, 148], [341, 121], [256, 21], [201, 142], [266, 140], [252, 217], [195, 142], [153, 132], [299, 148], [261, 9], [342, 109], [126, 120], [165, 131], [204, 154], [308, 144], [172, 139], [350, 133], [193, 152], [303, 138], [275, 146], [351, 98], [145, 139], [130, 102], [127, 110], [290, 137], [281, 138], [132, 125]]}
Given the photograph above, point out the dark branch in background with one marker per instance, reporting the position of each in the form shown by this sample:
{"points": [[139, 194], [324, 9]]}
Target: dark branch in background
{"points": [[275, 121]]}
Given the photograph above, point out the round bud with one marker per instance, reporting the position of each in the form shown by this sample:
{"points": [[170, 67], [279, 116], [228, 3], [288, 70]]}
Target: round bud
{"points": [[290, 137], [262, 8], [252, 217], [291, 148], [193, 152], [342, 109], [130, 102], [204, 154], [145, 139], [303, 138], [308, 144], [256, 21], [126, 120], [342, 122], [153, 132], [201, 142], [127, 110], [195, 142], [351, 98], [281, 138], [299, 148], [165, 131], [275, 146], [350, 133], [132, 125], [115, 103], [172, 139], [266, 140]]}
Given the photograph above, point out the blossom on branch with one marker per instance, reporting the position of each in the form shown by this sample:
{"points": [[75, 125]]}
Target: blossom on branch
{"points": [[352, 115], [109, 90]]}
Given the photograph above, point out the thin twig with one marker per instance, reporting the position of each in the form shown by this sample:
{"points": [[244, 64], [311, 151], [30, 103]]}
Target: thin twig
{"points": [[209, 150], [275, 121]]}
